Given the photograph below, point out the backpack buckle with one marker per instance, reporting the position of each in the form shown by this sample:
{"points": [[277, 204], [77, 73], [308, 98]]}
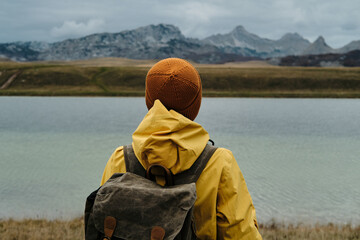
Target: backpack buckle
{"points": [[159, 170], [157, 233]]}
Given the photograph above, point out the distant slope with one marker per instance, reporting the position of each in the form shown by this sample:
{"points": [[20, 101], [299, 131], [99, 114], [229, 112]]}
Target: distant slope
{"points": [[98, 78], [350, 59], [4, 59], [354, 45], [240, 41]]}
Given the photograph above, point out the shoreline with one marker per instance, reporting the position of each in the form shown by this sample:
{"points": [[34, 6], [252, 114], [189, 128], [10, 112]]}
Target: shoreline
{"points": [[209, 94], [32, 229]]}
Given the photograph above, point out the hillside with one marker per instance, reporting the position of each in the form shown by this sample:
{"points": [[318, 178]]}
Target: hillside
{"points": [[122, 77], [350, 59]]}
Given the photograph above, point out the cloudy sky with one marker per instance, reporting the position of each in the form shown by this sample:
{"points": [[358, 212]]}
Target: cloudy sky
{"points": [[54, 20]]}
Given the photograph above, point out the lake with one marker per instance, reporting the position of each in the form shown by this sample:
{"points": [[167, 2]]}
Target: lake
{"points": [[300, 157]]}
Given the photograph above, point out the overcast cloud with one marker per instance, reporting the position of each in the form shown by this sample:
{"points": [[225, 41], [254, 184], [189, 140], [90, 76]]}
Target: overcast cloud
{"points": [[49, 20]]}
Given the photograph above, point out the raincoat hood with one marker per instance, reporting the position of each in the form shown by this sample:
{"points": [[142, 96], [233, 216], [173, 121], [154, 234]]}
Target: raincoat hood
{"points": [[168, 138]]}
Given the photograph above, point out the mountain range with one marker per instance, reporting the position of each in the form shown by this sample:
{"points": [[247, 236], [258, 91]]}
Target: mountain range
{"points": [[164, 40]]}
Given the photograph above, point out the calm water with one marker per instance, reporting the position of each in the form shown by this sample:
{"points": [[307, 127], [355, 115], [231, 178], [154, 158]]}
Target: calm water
{"points": [[300, 157]]}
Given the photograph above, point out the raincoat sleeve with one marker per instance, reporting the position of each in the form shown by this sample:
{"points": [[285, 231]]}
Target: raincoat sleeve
{"points": [[236, 218], [115, 164]]}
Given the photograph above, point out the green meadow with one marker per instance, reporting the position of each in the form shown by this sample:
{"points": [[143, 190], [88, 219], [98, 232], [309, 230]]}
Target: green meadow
{"points": [[121, 77]]}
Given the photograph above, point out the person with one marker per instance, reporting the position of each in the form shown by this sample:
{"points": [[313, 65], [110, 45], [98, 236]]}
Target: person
{"points": [[169, 136]]}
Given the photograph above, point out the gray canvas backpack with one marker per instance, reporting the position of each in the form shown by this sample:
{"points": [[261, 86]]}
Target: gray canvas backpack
{"points": [[132, 205]]}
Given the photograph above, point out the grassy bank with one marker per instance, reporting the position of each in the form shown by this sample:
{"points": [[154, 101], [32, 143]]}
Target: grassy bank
{"points": [[73, 229], [114, 77]]}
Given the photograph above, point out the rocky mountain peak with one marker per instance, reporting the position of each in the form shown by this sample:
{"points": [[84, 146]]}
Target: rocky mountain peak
{"points": [[162, 28], [241, 41], [319, 46], [239, 29], [160, 32], [291, 37], [320, 41], [240, 33]]}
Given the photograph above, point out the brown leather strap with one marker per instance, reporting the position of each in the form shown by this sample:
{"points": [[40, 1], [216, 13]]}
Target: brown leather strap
{"points": [[159, 170], [109, 227], [157, 233]]}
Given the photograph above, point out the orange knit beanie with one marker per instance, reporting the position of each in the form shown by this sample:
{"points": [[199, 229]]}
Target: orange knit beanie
{"points": [[177, 84]]}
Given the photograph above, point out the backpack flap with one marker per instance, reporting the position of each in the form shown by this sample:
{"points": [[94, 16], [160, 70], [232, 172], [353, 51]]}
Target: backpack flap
{"points": [[139, 205]]}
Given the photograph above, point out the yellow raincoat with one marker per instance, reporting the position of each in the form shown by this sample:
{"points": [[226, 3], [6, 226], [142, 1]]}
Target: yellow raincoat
{"points": [[223, 209]]}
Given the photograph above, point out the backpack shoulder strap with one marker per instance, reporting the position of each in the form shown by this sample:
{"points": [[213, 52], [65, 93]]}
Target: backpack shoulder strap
{"points": [[194, 172], [189, 176], [132, 163]]}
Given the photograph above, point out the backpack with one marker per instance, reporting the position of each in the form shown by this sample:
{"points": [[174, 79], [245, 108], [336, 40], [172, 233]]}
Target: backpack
{"points": [[132, 205]]}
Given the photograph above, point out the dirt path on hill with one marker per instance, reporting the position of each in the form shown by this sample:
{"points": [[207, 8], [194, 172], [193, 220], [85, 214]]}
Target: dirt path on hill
{"points": [[10, 80]]}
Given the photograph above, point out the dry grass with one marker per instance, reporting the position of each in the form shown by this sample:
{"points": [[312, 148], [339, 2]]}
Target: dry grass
{"points": [[274, 231], [41, 229], [74, 229]]}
